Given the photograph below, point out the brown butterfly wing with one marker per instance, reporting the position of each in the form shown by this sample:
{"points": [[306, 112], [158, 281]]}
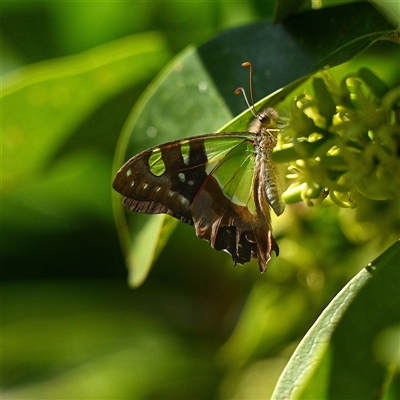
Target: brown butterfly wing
{"points": [[170, 192], [163, 180], [232, 227]]}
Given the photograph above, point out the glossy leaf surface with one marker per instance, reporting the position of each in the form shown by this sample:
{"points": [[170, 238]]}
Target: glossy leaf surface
{"points": [[343, 341]]}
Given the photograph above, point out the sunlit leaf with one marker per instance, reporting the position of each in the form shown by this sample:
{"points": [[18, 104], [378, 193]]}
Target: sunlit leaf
{"points": [[337, 358], [43, 103], [147, 246]]}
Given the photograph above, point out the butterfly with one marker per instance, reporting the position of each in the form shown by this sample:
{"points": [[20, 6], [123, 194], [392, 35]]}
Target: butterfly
{"points": [[222, 184]]}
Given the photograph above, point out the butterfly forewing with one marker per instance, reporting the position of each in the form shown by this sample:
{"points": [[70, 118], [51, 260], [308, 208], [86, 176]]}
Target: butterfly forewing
{"points": [[165, 179]]}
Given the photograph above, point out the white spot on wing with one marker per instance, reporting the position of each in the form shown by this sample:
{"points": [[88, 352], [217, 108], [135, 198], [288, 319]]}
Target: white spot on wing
{"points": [[181, 177], [184, 201], [185, 149]]}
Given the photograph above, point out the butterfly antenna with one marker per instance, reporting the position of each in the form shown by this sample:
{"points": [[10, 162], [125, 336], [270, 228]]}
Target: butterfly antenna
{"points": [[241, 90], [250, 65], [238, 90]]}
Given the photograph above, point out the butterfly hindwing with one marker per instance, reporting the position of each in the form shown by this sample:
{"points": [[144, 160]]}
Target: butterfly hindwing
{"points": [[227, 211]]}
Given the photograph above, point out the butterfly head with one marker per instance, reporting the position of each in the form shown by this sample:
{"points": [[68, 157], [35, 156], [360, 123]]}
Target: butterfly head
{"points": [[265, 122]]}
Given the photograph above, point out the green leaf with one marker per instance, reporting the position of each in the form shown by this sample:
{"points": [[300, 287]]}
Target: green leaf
{"points": [[391, 11], [289, 51], [342, 344], [42, 104], [284, 8], [147, 246]]}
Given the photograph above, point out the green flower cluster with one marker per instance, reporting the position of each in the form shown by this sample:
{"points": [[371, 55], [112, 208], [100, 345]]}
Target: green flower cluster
{"points": [[343, 140]]}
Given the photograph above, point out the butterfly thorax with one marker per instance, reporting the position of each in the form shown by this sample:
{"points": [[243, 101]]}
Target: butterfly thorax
{"points": [[264, 130]]}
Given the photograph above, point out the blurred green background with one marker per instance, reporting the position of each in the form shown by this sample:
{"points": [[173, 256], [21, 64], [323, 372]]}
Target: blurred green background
{"points": [[197, 328]]}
